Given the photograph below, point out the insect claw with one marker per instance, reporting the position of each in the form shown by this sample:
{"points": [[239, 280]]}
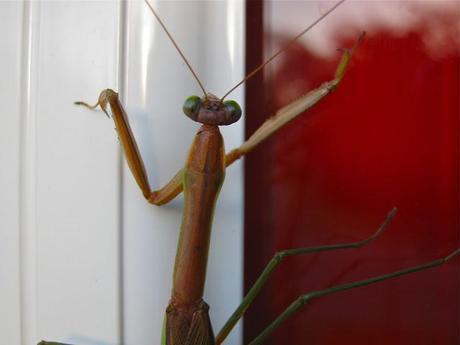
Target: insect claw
{"points": [[92, 107], [105, 112], [347, 53], [358, 41], [86, 104], [102, 102]]}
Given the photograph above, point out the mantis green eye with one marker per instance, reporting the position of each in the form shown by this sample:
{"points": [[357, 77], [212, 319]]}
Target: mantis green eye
{"points": [[233, 109], [191, 106]]}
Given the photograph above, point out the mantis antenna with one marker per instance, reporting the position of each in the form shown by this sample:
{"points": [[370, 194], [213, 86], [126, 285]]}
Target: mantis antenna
{"points": [[257, 69], [176, 46]]}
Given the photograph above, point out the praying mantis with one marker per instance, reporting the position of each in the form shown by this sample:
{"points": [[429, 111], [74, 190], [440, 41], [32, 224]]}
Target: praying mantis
{"points": [[197, 316]]}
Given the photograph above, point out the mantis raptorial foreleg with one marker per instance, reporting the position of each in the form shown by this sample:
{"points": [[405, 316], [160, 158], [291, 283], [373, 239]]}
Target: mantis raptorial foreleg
{"points": [[304, 299], [174, 186], [294, 109], [132, 154], [276, 260]]}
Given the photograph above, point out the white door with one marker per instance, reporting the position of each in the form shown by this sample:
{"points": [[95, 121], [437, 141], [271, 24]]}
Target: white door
{"points": [[83, 258]]}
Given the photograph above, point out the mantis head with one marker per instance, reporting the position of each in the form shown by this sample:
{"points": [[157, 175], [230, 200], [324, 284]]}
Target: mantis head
{"points": [[211, 110]]}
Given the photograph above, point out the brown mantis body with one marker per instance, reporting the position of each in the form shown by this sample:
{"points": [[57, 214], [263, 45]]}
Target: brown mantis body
{"points": [[187, 321]]}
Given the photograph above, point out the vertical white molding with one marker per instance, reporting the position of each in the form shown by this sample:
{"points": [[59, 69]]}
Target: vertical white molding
{"points": [[27, 216], [87, 260], [11, 28], [77, 175], [121, 78]]}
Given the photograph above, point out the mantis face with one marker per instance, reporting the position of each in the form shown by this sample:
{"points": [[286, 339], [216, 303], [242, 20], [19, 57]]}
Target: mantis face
{"points": [[211, 110]]}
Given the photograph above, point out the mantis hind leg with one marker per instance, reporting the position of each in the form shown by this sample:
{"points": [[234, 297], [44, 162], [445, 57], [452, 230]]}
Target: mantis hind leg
{"points": [[276, 260], [304, 299]]}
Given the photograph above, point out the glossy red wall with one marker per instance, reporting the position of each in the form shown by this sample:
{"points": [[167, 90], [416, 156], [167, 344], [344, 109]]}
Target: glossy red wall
{"points": [[389, 136]]}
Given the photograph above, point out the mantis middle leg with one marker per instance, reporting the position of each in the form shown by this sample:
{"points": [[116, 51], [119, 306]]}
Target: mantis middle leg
{"points": [[276, 261], [304, 299]]}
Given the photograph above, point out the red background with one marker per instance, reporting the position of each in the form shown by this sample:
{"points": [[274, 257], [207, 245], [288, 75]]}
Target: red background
{"points": [[389, 136]]}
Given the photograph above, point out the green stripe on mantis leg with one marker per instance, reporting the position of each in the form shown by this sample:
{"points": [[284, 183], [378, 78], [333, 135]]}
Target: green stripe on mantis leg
{"points": [[304, 299], [276, 260]]}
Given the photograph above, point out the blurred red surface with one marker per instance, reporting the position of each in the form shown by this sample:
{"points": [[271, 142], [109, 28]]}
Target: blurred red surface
{"points": [[389, 136]]}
